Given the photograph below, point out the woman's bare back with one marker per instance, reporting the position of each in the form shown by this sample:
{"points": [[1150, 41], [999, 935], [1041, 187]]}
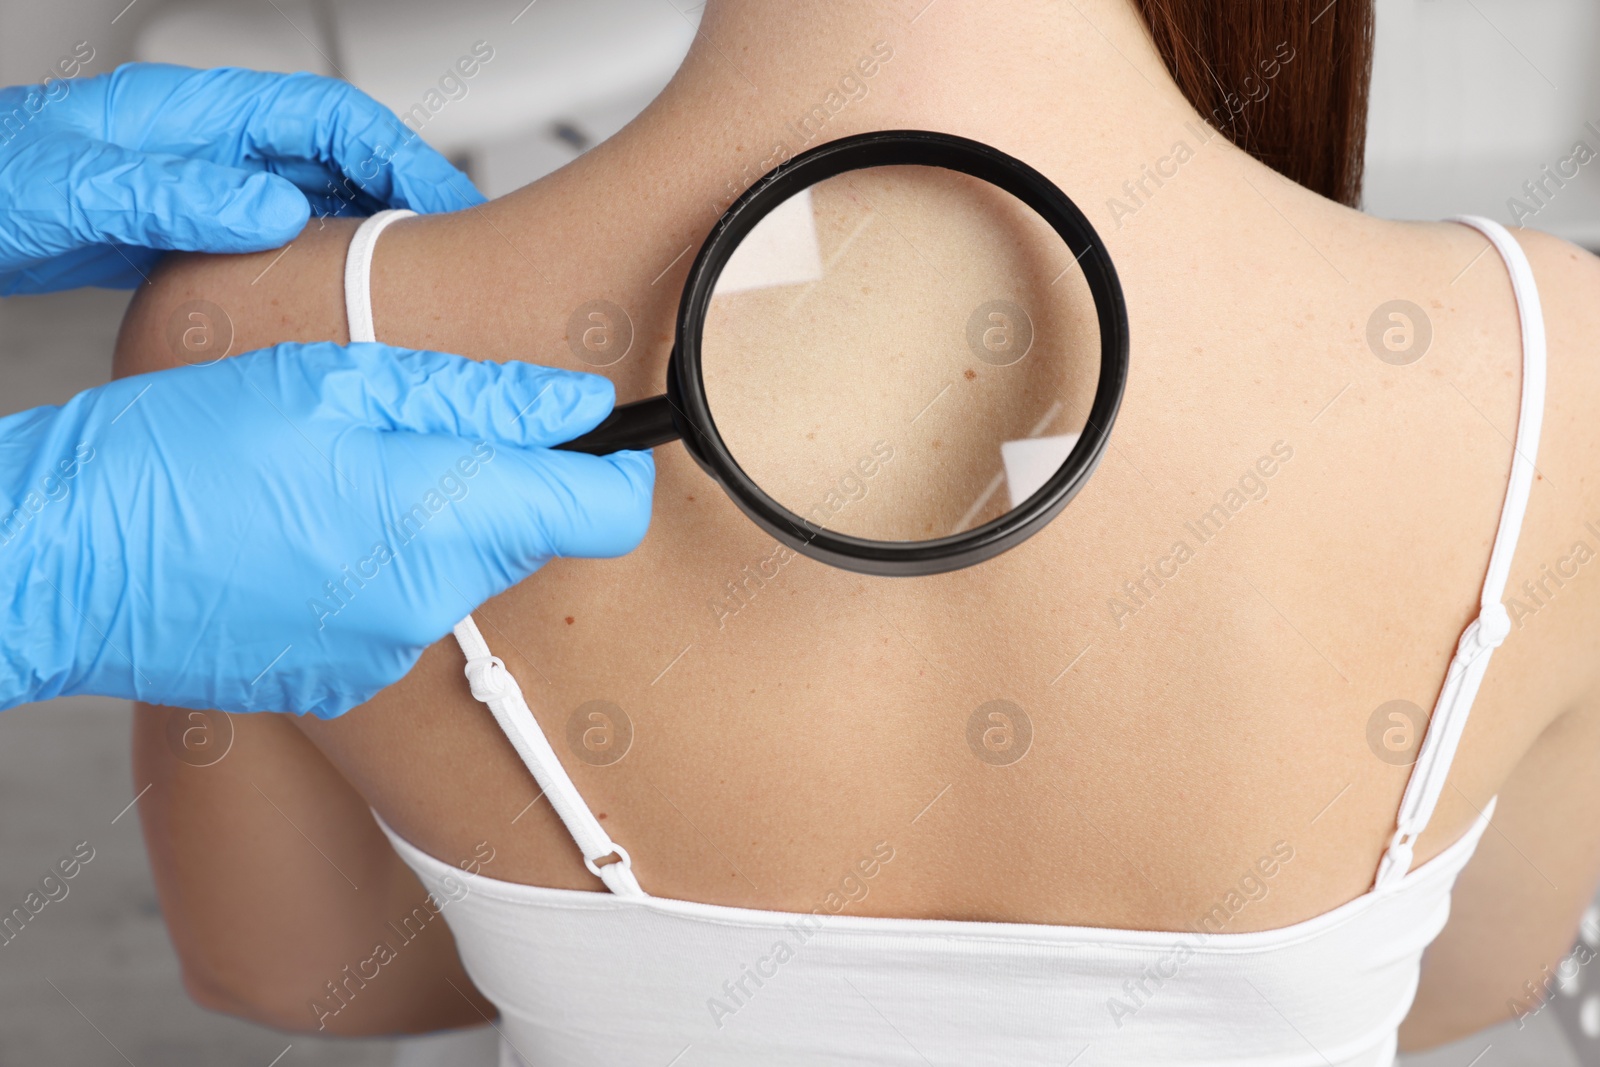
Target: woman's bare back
{"points": [[1289, 533]]}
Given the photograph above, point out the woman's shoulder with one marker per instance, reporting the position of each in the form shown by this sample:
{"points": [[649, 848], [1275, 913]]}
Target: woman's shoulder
{"points": [[1569, 290], [1567, 279], [1471, 291]]}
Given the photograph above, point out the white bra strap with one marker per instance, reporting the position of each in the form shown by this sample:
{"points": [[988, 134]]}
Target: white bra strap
{"points": [[358, 273], [490, 681], [493, 685], [1490, 628]]}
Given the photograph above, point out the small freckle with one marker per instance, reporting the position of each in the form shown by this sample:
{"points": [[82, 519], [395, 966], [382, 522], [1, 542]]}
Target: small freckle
{"points": [[936, 443], [601, 815], [811, 437], [570, 620], [971, 374], [691, 496]]}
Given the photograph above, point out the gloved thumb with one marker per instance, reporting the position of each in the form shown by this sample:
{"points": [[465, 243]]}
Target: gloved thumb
{"points": [[470, 518], [122, 196], [529, 505]]}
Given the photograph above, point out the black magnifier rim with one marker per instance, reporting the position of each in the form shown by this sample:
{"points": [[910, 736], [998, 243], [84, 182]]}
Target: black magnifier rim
{"points": [[888, 148]]}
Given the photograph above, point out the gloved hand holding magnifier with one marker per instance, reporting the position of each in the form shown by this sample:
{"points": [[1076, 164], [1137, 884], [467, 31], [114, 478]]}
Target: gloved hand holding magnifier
{"points": [[900, 353]]}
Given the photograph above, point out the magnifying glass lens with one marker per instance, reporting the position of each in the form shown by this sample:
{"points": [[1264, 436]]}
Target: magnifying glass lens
{"points": [[901, 353]]}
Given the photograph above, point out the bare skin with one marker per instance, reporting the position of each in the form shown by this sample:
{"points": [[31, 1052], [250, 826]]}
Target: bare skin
{"points": [[1174, 741]]}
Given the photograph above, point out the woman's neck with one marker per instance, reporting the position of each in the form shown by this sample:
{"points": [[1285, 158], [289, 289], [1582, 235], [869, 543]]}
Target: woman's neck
{"points": [[1083, 75], [1075, 88]]}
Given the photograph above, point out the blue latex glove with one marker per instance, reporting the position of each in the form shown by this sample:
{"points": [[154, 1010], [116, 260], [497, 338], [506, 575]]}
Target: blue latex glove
{"points": [[289, 529], [99, 174]]}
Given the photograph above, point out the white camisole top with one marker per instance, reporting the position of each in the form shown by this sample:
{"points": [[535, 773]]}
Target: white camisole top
{"points": [[623, 977]]}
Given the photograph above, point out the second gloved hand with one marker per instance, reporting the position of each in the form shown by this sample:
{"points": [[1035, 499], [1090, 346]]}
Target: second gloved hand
{"points": [[98, 175], [289, 529]]}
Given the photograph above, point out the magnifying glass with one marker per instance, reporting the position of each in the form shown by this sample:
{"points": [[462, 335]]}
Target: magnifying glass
{"points": [[899, 353]]}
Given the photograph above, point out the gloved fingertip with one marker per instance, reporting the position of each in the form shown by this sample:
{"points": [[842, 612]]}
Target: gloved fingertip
{"points": [[633, 522], [260, 212], [427, 182], [549, 405], [561, 383], [639, 467]]}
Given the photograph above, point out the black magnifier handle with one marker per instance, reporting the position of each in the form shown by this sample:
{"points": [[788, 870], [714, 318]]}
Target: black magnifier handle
{"points": [[639, 425]]}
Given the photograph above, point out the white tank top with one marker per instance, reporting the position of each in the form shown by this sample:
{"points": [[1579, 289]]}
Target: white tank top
{"points": [[623, 977]]}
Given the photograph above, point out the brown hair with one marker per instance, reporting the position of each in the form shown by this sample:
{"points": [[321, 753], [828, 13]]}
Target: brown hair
{"points": [[1286, 81]]}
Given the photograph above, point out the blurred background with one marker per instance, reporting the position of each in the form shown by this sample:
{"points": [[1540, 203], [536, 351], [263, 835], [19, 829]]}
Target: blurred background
{"points": [[1478, 106]]}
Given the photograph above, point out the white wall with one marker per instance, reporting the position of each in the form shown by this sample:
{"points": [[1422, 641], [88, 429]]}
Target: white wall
{"points": [[35, 33], [1472, 98]]}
